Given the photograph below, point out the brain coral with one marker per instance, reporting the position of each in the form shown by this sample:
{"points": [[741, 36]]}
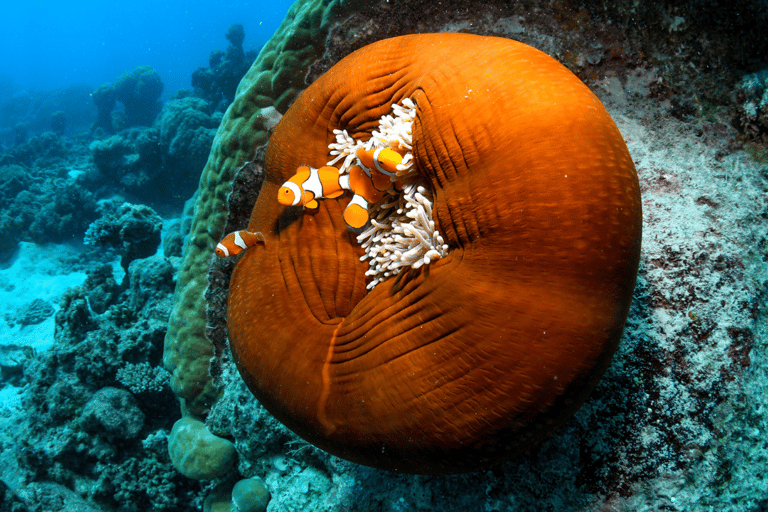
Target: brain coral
{"points": [[467, 361]]}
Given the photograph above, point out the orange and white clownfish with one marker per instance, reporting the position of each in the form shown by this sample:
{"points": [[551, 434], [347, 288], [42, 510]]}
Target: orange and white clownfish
{"points": [[366, 188], [385, 160], [238, 241], [309, 184]]}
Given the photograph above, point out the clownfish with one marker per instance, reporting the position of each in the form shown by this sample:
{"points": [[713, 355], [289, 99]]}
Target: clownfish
{"points": [[367, 188], [238, 241], [309, 184], [385, 160]]}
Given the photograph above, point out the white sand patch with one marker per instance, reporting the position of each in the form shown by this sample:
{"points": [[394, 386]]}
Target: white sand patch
{"points": [[36, 272], [10, 404]]}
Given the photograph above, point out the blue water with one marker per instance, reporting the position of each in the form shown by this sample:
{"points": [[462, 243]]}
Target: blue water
{"points": [[48, 45]]}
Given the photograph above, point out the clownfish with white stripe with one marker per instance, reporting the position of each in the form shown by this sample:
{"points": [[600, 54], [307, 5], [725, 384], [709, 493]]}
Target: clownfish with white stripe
{"points": [[385, 160], [309, 184], [238, 241]]}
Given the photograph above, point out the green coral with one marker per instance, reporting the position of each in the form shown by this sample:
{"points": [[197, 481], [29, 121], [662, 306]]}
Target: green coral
{"points": [[274, 80], [197, 453], [250, 495]]}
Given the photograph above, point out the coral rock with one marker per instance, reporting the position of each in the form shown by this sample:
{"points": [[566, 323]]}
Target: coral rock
{"points": [[197, 453], [112, 413]]}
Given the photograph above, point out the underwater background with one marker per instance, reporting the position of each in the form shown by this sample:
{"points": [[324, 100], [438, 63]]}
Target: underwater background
{"points": [[124, 126]]}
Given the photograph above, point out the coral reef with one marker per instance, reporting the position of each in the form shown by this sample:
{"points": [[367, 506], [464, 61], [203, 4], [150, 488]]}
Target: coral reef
{"points": [[186, 127], [160, 164], [20, 134], [678, 422], [218, 82], [112, 413], [134, 230], [41, 201], [37, 151], [139, 92], [59, 122], [96, 405], [13, 179], [104, 97], [84, 430], [50, 185], [12, 361], [115, 157], [752, 94], [64, 111]]}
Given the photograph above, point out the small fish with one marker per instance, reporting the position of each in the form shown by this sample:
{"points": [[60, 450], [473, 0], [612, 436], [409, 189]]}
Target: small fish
{"points": [[238, 241]]}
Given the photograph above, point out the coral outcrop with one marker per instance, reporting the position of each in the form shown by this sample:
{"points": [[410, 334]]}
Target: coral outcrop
{"points": [[197, 453], [63, 111], [187, 127], [39, 200], [752, 95], [137, 90], [112, 413], [161, 163], [218, 82], [134, 230]]}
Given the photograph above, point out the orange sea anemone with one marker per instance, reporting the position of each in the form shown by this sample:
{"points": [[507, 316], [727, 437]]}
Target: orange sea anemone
{"points": [[472, 358]]}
